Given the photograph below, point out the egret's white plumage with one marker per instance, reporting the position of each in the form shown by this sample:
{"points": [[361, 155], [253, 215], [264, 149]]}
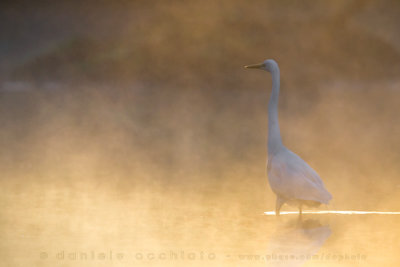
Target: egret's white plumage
{"points": [[292, 180]]}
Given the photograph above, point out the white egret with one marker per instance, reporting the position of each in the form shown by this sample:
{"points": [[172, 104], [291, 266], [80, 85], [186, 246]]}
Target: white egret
{"points": [[292, 180]]}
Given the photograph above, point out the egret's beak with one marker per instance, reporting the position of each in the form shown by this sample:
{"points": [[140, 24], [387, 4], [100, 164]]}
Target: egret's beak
{"points": [[255, 66]]}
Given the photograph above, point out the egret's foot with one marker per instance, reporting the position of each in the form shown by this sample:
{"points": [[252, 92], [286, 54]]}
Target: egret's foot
{"points": [[300, 213], [279, 202]]}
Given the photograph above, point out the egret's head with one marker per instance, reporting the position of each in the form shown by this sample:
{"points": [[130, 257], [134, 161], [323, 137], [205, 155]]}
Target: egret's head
{"points": [[269, 65]]}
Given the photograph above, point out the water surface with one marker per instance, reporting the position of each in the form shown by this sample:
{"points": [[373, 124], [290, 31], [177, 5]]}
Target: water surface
{"points": [[64, 227]]}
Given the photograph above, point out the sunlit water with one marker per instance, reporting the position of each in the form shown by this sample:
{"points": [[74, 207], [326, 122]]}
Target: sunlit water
{"points": [[63, 227], [349, 212]]}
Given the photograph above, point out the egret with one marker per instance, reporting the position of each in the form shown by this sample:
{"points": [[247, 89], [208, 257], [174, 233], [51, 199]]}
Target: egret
{"points": [[292, 180]]}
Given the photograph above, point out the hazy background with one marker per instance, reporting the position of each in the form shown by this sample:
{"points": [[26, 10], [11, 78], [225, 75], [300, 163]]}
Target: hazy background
{"points": [[130, 114]]}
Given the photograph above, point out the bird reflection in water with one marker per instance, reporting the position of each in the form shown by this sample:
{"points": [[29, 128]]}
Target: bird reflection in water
{"points": [[296, 242]]}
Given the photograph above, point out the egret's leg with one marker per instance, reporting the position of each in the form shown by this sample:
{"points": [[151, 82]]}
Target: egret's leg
{"points": [[279, 202], [300, 212]]}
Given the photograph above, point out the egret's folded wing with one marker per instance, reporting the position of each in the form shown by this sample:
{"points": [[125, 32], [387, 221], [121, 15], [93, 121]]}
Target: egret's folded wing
{"points": [[292, 178]]}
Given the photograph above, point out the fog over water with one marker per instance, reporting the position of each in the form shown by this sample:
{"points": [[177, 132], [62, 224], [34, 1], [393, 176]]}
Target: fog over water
{"points": [[131, 135]]}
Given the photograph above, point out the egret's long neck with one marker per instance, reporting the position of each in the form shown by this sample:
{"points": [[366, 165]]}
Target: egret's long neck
{"points": [[274, 135]]}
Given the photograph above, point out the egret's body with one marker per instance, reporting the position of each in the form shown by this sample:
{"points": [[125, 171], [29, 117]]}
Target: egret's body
{"points": [[292, 180]]}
